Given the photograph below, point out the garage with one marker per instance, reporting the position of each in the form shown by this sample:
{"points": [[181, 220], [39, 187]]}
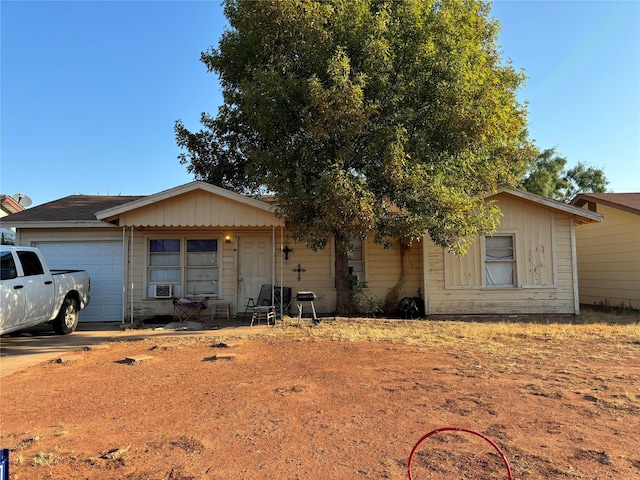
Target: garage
{"points": [[103, 261]]}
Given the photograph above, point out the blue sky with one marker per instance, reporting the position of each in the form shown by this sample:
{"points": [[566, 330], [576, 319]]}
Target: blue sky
{"points": [[90, 90]]}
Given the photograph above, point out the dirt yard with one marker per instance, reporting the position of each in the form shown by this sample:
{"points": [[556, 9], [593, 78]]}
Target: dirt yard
{"points": [[336, 401]]}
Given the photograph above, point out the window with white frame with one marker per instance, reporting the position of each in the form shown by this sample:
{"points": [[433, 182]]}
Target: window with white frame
{"points": [[500, 261], [356, 260], [183, 267], [202, 267]]}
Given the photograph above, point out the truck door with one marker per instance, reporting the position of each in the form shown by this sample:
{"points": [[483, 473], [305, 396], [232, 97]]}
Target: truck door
{"points": [[39, 288], [12, 294]]}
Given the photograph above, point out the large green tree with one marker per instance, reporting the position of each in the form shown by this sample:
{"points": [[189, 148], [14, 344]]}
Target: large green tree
{"points": [[364, 117], [547, 176]]}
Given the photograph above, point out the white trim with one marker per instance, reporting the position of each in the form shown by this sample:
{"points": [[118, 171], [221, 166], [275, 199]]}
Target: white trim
{"points": [[574, 271], [425, 272], [131, 272], [554, 251], [60, 224], [112, 238], [125, 274], [483, 257]]}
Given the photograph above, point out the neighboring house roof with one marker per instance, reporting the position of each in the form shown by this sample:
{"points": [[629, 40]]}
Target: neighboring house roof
{"points": [[580, 214], [8, 205], [629, 202], [68, 211]]}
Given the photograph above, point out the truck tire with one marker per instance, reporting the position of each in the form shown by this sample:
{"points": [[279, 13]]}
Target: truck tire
{"points": [[67, 320]]}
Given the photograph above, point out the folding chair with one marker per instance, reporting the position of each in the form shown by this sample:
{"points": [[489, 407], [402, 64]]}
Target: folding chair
{"points": [[264, 299], [185, 309]]}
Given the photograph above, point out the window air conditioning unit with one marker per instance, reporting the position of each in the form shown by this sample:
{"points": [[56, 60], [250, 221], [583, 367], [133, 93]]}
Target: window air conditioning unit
{"points": [[162, 291]]}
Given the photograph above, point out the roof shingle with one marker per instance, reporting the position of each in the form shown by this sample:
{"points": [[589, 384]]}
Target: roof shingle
{"points": [[71, 208], [629, 202]]}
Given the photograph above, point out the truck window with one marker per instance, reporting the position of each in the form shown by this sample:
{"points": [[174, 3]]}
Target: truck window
{"points": [[7, 266], [30, 263]]}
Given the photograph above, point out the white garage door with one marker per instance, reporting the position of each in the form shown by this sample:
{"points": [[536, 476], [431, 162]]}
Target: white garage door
{"points": [[103, 261]]}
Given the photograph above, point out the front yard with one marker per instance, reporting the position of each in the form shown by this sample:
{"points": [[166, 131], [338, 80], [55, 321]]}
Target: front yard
{"points": [[346, 399]]}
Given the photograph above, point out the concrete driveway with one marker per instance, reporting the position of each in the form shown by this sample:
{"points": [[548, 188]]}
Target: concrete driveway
{"points": [[23, 349]]}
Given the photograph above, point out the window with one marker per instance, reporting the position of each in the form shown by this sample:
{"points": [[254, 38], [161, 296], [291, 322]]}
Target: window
{"points": [[7, 266], [500, 261], [356, 260], [190, 266], [202, 267], [164, 262], [31, 264]]}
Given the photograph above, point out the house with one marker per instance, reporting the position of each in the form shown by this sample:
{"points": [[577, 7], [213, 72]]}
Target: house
{"points": [[609, 251], [198, 240], [8, 205]]}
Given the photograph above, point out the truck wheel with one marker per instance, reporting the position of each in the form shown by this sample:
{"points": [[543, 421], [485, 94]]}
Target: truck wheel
{"points": [[67, 320]]}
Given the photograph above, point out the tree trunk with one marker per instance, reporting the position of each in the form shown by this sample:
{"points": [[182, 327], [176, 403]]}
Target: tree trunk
{"points": [[344, 303]]}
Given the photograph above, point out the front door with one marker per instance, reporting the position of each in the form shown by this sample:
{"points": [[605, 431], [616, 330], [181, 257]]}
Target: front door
{"points": [[254, 268]]}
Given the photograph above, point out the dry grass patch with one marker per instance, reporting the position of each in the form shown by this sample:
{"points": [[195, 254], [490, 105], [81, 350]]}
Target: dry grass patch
{"points": [[495, 337]]}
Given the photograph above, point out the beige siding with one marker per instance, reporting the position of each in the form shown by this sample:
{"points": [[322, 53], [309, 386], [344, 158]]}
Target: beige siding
{"points": [[27, 237], [389, 275], [463, 271], [533, 227], [144, 305], [543, 261], [392, 273], [317, 277], [198, 209], [609, 259], [387, 281]]}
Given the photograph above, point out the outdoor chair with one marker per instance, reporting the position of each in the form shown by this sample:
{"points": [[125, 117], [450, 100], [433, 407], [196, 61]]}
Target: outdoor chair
{"points": [[185, 309], [263, 300]]}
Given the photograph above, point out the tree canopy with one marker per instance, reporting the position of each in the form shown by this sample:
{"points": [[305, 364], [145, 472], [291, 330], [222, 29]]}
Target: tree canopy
{"points": [[364, 117], [547, 176]]}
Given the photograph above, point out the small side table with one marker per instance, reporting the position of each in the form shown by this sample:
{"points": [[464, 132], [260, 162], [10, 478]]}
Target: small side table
{"points": [[221, 309]]}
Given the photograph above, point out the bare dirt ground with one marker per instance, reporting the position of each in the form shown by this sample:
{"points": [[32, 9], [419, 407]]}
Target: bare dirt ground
{"points": [[336, 401]]}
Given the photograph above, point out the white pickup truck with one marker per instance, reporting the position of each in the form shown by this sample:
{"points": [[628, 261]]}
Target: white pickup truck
{"points": [[31, 294]]}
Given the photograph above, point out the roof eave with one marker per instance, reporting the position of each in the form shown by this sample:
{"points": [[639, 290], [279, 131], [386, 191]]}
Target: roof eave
{"points": [[59, 224], [581, 216]]}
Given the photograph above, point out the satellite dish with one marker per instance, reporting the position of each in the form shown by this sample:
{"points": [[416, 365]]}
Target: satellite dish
{"points": [[22, 199]]}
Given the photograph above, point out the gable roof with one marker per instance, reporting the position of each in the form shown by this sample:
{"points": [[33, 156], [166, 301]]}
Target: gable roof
{"points": [[180, 190], [580, 215], [628, 202], [67, 211], [195, 204], [224, 206]]}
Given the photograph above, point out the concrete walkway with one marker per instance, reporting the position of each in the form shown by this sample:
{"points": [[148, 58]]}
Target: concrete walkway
{"points": [[39, 344]]}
